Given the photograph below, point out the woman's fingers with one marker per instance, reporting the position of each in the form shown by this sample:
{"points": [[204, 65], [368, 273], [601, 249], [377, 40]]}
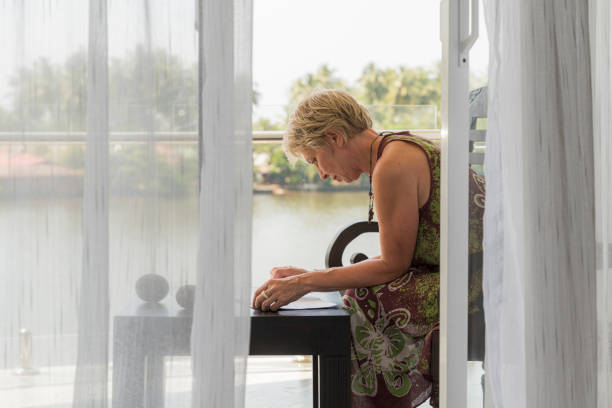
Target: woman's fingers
{"points": [[264, 296], [276, 293], [267, 303], [261, 298], [256, 295], [268, 298], [277, 305]]}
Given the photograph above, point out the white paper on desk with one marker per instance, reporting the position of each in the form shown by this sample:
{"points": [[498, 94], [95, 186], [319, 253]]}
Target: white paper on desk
{"points": [[308, 302]]}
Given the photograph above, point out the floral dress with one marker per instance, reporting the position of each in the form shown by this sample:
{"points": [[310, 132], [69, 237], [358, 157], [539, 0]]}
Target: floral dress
{"points": [[392, 323]]}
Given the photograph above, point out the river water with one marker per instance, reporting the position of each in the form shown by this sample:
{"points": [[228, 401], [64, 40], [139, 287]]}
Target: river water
{"points": [[296, 229], [41, 250]]}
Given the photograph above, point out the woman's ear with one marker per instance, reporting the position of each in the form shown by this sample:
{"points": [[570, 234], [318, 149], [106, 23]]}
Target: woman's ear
{"points": [[335, 137]]}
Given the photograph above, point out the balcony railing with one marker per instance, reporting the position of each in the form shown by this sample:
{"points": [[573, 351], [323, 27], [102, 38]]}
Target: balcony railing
{"points": [[259, 136]]}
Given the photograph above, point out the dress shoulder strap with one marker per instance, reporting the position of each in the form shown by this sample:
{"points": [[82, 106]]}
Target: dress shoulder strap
{"points": [[386, 139]]}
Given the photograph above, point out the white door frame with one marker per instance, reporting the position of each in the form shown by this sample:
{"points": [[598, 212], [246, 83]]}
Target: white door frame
{"points": [[456, 42]]}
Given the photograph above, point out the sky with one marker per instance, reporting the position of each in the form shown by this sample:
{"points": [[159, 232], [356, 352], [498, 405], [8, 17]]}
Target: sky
{"points": [[292, 38]]}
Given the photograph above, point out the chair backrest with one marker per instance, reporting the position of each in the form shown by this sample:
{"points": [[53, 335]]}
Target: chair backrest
{"points": [[477, 101], [335, 250], [478, 110]]}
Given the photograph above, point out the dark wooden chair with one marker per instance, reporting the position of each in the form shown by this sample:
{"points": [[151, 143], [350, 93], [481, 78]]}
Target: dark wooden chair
{"points": [[476, 321], [476, 324]]}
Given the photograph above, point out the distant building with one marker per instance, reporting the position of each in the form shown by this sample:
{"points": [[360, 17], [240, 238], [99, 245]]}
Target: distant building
{"points": [[27, 174]]}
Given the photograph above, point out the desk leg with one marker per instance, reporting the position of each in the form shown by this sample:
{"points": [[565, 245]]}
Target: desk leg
{"points": [[334, 381], [315, 381], [154, 381], [128, 370]]}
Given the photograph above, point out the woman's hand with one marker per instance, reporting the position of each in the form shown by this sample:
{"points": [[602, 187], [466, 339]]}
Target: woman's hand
{"points": [[286, 271], [276, 293]]}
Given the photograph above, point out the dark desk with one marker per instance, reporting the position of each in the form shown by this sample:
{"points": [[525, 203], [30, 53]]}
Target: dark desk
{"points": [[142, 339]]}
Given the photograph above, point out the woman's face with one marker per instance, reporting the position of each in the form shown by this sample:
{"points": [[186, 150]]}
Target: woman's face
{"points": [[332, 161]]}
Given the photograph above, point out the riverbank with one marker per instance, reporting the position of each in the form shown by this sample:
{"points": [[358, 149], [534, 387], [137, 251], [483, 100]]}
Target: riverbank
{"points": [[277, 189]]}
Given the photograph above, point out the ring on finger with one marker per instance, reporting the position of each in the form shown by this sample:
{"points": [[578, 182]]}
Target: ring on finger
{"points": [[263, 292]]}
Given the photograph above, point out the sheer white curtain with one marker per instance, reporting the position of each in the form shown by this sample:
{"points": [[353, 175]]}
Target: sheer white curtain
{"points": [[600, 14], [539, 279], [220, 336], [99, 176], [91, 378]]}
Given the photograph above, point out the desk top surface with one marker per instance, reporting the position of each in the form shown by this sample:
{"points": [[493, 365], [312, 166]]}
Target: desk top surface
{"points": [[167, 328], [160, 310]]}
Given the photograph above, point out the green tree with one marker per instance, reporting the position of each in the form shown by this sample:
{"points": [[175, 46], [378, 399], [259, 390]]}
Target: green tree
{"points": [[49, 96], [148, 91], [401, 97], [73, 156], [324, 77], [267, 124], [154, 91], [7, 121], [390, 94]]}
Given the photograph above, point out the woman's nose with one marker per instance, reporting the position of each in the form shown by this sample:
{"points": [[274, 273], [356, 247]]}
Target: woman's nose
{"points": [[322, 174]]}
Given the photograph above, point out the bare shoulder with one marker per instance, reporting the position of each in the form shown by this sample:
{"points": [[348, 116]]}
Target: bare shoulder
{"points": [[404, 168], [402, 159]]}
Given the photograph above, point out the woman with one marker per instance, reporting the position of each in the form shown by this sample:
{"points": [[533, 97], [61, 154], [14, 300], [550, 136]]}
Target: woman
{"points": [[392, 298]]}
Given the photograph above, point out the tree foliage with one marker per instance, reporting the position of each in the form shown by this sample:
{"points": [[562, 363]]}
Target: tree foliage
{"points": [[156, 91], [401, 98], [148, 92], [397, 98], [48, 96], [153, 90], [324, 77]]}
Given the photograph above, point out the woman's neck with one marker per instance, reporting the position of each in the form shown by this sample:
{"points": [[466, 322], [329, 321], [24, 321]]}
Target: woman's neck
{"points": [[366, 144]]}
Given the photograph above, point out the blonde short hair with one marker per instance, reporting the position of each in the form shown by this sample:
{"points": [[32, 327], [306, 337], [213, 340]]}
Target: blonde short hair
{"points": [[315, 115]]}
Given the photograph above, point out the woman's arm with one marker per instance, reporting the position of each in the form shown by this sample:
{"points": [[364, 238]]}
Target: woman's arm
{"points": [[396, 188], [363, 274]]}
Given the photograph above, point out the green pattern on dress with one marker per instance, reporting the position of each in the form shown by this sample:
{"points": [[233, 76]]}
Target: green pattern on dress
{"points": [[391, 323], [384, 348]]}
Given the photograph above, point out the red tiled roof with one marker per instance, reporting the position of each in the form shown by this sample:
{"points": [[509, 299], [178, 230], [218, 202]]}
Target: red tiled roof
{"points": [[29, 165]]}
